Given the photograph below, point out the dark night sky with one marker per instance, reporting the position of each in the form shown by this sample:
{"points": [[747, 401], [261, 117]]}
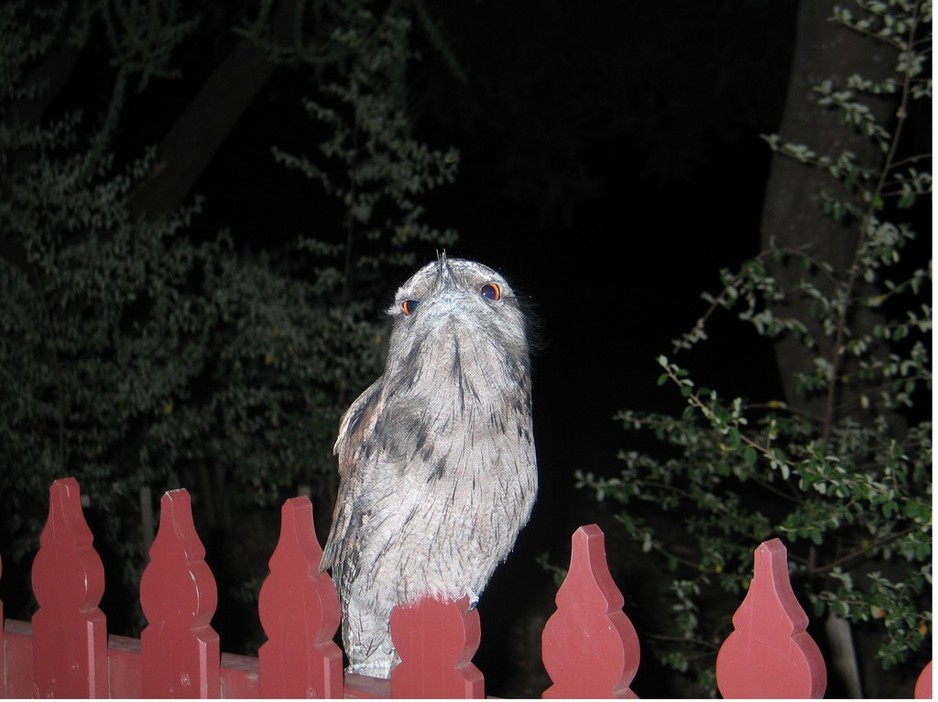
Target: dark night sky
{"points": [[610, 165]]}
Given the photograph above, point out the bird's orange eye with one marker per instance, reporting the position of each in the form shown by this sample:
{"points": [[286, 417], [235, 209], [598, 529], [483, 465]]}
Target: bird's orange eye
{"points": [[491, 291], [409, 306]]}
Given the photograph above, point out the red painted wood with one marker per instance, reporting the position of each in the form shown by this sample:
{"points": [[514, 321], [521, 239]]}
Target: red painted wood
{"points": [[18, 651], [69, 631], [589, 646], [124, 663], [299, 610], [180, 650], [923, 684], [436, 641], [769, 653], [240, 677], [362, 687]]}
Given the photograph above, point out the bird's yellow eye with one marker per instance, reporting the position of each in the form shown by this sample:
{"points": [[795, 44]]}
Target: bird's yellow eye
{"points": [[409, 306], [491, 291]]}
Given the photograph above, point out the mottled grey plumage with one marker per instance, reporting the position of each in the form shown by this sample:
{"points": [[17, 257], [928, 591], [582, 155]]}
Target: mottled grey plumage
{"points": [[436, 457]]}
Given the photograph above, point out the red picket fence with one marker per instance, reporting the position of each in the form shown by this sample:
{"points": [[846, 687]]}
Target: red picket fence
{"points": [[589, 646]]}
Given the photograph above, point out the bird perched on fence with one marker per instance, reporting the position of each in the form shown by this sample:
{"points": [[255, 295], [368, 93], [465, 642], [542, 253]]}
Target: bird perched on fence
{"points": [[436, 458]]}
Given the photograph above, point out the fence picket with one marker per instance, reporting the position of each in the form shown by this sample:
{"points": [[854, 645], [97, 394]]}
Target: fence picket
{"points": [[180, 650], [436, 641], [923, 684], [589, 646], [299, 658], [69, 630], [770, 653]]}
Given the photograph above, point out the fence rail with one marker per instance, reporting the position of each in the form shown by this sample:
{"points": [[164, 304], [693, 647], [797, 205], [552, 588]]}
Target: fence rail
{"points": [[589, 646]]}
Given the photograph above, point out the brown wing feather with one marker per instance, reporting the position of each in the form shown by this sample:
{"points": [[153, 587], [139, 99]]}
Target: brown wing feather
{"points": [[355, 429]]}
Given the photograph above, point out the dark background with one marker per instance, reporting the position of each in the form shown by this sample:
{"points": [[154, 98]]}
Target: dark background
{"points": [[610, 165]]}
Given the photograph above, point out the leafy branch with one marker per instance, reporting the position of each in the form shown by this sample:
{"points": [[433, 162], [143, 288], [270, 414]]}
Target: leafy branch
{"points": [[841, 467]]}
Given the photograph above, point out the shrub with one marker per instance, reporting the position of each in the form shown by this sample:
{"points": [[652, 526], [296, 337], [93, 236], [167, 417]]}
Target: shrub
{"points": [[843, 473], [138, 355]]}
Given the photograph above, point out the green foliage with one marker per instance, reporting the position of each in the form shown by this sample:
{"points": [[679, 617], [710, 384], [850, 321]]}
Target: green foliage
{"points": [[370, 169], [83, 372], [374, 172], [370, 163], [848, 487], [133, 353]]}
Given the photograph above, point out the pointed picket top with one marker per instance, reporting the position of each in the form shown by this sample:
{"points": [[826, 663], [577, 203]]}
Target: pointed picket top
{"points": [[181, 655], [589, 646], [923, 684], [299, 658], [770, 653], [436, 641], [69, 630]]}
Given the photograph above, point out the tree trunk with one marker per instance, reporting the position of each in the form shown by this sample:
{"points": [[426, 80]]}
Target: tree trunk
{"points": [[793, 219], [189, 146], [791, 215]]}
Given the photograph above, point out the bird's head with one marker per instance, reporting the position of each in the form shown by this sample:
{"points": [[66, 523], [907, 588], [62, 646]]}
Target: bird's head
{"points": [[456, 316]]}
